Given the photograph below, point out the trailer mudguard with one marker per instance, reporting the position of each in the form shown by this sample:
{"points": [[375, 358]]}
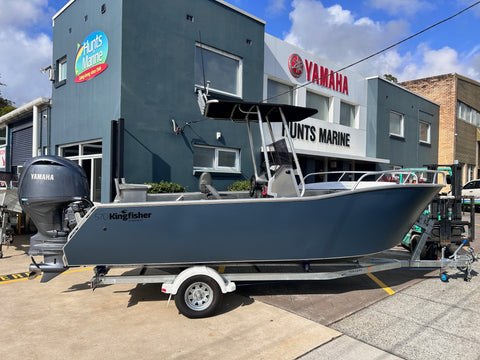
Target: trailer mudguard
{"points": [[172, 288]]}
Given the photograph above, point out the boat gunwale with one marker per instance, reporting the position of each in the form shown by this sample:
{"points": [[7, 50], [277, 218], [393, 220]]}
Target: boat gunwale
{"points": [[334, 193]]}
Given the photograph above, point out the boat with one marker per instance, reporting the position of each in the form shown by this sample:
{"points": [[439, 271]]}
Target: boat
{"points": [[286, 217]]}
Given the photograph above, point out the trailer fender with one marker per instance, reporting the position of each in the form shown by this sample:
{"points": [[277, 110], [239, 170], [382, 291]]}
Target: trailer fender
{"points": [[172, 287]]}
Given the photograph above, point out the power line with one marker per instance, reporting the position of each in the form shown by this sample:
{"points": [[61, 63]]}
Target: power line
{"points": [[378, 52]]}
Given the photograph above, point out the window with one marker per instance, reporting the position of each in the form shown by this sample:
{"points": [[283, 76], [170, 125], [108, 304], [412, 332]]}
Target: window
{"points": [[89, 156], [279, 93], [396, 124], [216, 158], [223, 70], [472, 185], [3, 135], [425, 132], [61, 77], [347, 114], [319, 102], [467, 113]]}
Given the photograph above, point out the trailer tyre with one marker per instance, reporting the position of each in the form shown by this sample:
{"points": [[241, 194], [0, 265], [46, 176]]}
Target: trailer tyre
{"points": [[198, 297]]}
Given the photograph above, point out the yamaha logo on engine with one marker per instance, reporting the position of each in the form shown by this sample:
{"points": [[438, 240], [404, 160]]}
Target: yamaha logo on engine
{"points": [[48, 177]]}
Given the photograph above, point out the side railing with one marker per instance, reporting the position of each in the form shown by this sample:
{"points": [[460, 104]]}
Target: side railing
{"points": [[395, 176]]}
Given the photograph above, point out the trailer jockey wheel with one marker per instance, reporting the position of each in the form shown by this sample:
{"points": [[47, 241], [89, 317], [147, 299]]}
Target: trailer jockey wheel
{"points": [[198, 297]]}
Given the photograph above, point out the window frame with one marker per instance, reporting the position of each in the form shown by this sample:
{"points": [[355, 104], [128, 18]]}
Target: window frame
{"points": [[353, 119], [216, 167], [61, 76], [402, 124], [429, 128], [273, 98], [318, 114], [92, 158], [3, 140], [239, 76]]}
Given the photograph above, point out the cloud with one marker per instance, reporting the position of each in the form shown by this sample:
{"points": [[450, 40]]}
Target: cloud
{"points": [[275, 6], [475, 9], [23, 51], [338, 35], [20, 13], [401, 7], [438, 61]]}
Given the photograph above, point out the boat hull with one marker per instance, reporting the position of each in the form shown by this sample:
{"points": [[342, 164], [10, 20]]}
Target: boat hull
{"points": [[342, 225]]}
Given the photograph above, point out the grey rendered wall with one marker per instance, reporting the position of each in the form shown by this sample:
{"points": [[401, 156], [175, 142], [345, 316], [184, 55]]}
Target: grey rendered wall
{"points": [[158, 52], [406, 151], [83, 111]]}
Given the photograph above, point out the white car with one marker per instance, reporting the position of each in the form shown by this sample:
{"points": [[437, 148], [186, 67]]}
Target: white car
{"points": [[472, 188]]}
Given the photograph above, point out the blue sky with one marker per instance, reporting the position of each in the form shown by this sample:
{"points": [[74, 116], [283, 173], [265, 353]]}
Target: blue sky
{"points": [[342, 31]]}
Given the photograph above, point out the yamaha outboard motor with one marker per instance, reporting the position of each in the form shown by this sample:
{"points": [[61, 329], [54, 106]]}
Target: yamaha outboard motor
{"points": [[54, 192]]}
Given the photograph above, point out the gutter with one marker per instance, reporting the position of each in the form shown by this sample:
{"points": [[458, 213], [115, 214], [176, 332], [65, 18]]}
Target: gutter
{"points": [[24, 109]]}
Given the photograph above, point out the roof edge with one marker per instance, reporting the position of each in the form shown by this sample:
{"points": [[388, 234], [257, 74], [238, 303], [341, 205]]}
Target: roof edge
{"points": [[224, 3], [402, 87], [24, 109]]}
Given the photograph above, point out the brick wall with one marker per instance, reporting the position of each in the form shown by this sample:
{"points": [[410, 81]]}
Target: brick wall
{"points": [[442, 90]]}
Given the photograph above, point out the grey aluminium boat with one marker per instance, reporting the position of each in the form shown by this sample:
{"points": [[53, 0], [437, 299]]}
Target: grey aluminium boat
{"points": [[283, 218]]}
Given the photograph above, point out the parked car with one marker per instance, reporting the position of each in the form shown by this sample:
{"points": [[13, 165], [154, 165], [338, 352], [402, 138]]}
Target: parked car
{"points": [[471, 188]]}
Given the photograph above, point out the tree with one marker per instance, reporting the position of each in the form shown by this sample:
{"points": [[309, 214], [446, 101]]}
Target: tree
{"points": [[391, 78], [5, 105]]}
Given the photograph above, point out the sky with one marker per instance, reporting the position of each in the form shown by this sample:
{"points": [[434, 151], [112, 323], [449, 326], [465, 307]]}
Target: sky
{"points": [[341, 31]]}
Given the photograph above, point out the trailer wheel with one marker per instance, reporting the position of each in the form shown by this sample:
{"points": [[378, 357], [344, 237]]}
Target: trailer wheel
{"points": [[198, 296]]}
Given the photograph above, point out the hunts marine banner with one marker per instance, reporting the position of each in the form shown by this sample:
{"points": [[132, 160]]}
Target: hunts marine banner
{"points": [[91, 57]]}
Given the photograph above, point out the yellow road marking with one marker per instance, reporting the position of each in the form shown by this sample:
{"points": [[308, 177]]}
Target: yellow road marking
{"points": [[12, 281], [11, 278], [78, 270], [381, 284]]}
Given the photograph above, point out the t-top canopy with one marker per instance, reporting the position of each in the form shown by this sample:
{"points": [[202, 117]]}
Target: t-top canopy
{"points": [[242, 111]]}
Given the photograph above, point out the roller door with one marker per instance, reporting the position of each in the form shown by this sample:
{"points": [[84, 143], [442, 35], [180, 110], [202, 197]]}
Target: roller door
{"points": [[21, 145]]}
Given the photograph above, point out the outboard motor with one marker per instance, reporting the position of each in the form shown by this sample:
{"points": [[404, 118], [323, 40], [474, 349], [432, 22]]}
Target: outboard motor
{"points": [[54, 192]]}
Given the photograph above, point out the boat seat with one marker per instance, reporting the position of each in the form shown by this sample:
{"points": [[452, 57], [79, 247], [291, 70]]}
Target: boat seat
{"points": [[283, 183], [205, 186]]}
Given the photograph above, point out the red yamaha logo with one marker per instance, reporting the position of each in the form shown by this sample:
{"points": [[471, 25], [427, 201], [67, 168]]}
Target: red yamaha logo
{"points": [[295, 65]]}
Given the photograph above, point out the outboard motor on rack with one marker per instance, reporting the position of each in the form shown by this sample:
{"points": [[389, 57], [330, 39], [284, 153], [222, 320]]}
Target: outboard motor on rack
{"points": [[54, 192]]}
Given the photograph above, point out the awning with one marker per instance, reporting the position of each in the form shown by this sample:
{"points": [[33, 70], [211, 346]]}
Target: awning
{"points": [[241, 111]]}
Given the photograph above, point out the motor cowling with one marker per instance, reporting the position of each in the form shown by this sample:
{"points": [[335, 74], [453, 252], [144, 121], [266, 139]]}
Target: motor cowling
{"points": [[47, 187]]}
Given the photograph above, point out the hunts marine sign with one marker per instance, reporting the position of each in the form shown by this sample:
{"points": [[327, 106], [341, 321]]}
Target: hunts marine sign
{"points": [[91, 57]]}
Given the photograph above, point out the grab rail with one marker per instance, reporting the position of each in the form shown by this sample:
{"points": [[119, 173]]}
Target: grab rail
{"points": [[398, 176]]}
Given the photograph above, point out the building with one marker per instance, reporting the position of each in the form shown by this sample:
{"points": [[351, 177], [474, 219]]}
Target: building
{"points": [[361, 124], [402, 126], [335, 138], [23, 133], [124, 99], [459, 133]]}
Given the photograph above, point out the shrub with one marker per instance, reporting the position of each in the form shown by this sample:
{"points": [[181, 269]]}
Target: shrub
{"points": [[165, 187], [242, 185]]}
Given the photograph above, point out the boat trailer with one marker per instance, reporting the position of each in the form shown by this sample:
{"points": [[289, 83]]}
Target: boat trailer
{"points": [[198, 289]]}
